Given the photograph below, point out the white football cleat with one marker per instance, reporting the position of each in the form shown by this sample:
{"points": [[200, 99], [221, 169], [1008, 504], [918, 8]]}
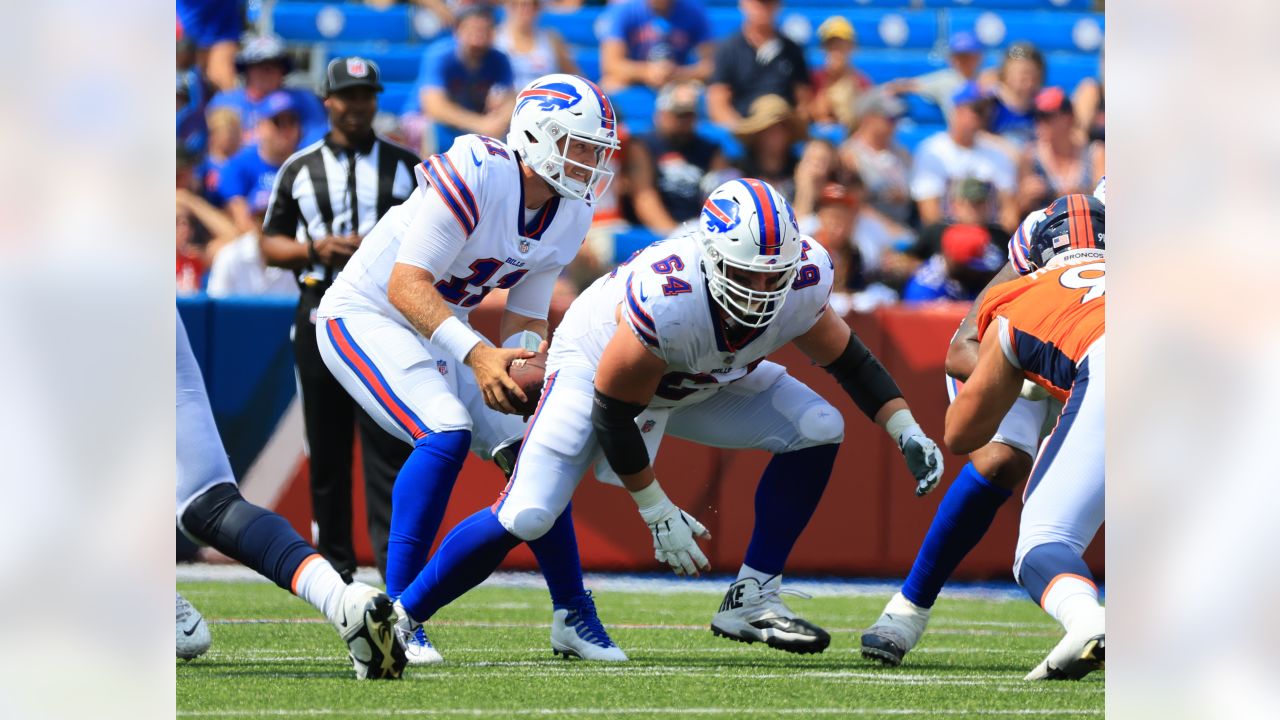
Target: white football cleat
{"points": [[896, 632], [366, 621], [751, 612], [418, 648], [576, 631], [192, 631], [1081, 651]]}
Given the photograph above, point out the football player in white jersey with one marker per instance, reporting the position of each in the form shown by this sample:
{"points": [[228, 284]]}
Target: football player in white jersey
{"points": [[674, 341], [983, 484], [393, 328]]}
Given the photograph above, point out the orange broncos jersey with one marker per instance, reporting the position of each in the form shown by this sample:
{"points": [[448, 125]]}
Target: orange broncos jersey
{"points": [[1048, 320]]}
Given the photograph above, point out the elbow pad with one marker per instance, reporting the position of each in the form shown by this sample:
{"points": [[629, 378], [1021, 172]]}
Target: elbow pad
{"points": [[863, 377], [616, 431]]}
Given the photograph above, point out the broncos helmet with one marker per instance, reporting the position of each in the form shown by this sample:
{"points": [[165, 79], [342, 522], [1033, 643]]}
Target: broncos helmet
{"points": [[1070, 223], [554, 109], [746, 225]]}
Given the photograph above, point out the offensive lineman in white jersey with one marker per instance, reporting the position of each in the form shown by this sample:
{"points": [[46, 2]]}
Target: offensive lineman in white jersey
{"points": [[393, 328], [985, 482], [674, 342]]}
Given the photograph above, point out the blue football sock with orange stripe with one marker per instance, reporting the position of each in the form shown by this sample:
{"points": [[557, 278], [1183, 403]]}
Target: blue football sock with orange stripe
{"points": [[418, 501], [467, 555], [786, 497], [557, 554], [1043, 563], [966, 511], [255, 536]]}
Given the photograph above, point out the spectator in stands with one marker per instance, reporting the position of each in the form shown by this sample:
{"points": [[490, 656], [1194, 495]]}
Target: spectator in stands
{"points": [[532, 51], [819, 165], [837, 85], [1088, 100], [214, 26], [203, 231], [192, 133], [967, 262], [465, 84], [868, 249], [769, 133], [1018, 81], [1058, 162], [962, 151], [971, 204], [883, 164], [246, 180], [265, 63], [224, 143], [940, 86], [655, 42], [666, 167], [754, 62]]}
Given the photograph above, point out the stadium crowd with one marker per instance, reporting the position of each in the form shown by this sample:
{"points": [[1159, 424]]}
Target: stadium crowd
{"points": [[911, 226]]}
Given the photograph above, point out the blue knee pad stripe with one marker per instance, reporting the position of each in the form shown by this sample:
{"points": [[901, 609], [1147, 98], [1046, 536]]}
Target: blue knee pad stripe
{"points": [[1059, 435]]}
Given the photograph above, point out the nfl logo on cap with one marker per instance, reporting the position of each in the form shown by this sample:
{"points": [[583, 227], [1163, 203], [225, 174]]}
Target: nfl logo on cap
{"points": [[356, 67]]}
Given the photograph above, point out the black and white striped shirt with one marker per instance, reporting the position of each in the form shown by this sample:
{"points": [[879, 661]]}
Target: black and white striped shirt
{"points": [[313, 192]]}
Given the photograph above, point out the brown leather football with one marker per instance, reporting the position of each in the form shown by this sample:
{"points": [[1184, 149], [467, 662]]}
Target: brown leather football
{"points": [[529, 374]]}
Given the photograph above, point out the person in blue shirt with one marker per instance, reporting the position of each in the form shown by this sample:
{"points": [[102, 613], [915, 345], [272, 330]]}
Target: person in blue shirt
{"points": [[246, 181], [465, 84], [655, 42], [214, 27], [1019, 79], [265, 64], [967, 262]]}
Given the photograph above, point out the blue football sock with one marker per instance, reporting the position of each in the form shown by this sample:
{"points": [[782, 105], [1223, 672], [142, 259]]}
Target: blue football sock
{"points": [[963, 517], [418, 501], [257, 537], [1045, 562], [467, 555], [786, 497], [557, 554]]}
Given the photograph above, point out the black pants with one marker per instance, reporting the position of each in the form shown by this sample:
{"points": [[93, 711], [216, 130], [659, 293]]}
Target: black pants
{"points": [[331, 416]]}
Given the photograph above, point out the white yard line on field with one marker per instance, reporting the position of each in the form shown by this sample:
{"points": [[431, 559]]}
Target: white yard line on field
{"points": [[670, 712]]}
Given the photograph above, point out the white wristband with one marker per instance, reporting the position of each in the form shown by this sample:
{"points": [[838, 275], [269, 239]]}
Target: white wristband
{"points": [[454, 337], [523, 340], [899, 424], [650, 498]]}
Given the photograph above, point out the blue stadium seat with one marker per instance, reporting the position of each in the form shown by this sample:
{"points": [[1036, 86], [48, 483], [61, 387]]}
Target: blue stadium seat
{"points": [[1078, 5], [588, 59], [313, 22], [577, 27], [398, 63], [634, 105], [1066, 70], [923, 111], [630, 241], [1050, 31], [728, 143], [395, 95], [875, 28], [910, 134], [885, 65]]}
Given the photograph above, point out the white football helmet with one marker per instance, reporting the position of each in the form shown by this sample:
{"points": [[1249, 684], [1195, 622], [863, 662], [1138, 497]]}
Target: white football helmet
{"points": [[747, 226], [554, 109]]}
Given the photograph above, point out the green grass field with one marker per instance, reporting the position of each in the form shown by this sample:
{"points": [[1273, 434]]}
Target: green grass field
{"points": [[273, 656]]}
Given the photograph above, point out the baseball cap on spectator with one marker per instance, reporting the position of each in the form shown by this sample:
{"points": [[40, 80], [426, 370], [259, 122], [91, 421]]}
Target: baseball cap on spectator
{"points": [[880, 103], [349, 72], [971, 247], [835, 194], [972, 190], [1053, 101], [678, 98], [264, 49], [278, 103], [767, 111], [964, 42], [970, 93], [479, 9], [837, 28]]}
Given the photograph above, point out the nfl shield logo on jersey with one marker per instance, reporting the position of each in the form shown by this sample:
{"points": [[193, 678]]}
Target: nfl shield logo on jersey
{"points": [[647, 426], [524, 246], [443, 367]]}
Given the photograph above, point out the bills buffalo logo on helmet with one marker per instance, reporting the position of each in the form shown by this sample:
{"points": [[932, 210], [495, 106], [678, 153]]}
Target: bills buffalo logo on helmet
{"points": [[552, 96], [720, 215]]}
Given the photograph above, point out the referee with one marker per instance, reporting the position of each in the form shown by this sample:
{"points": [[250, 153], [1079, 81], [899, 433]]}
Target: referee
{"points": [[325, 199]]}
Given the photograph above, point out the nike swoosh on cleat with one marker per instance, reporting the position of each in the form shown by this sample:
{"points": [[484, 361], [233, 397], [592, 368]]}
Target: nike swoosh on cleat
{"points": [[189, 631]]}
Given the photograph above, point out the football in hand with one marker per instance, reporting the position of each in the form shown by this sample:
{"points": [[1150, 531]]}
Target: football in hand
{"points": [[529, 374]]}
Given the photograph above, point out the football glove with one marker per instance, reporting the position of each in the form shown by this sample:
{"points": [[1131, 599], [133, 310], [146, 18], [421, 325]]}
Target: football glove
{"points": [[673, 531], [923, 457]]}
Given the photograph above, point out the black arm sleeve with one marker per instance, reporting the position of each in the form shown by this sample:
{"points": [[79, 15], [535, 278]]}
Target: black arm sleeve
{"points": [[863, 377], [616, 431]]}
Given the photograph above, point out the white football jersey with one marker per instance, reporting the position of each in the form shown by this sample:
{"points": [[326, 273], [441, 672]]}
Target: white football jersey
{"points": [[466, 224], [665, 302]]}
